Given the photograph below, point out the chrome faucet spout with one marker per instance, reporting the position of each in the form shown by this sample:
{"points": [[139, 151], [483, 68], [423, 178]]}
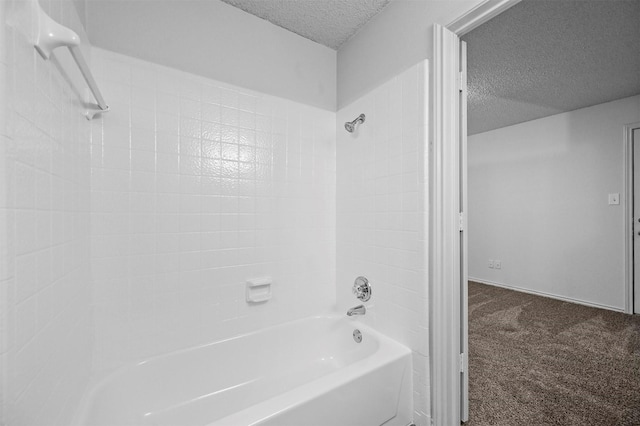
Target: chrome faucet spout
{"points": [[357, 310]]}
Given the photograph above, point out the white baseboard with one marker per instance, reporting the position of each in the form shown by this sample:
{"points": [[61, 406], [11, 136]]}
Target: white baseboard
{"points": [[550, 295]]}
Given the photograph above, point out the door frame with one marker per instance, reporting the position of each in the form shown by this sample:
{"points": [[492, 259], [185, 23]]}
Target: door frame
{"points": [[446, 263], [628, 217], [479, 15], [464, 240], [444, 246]]}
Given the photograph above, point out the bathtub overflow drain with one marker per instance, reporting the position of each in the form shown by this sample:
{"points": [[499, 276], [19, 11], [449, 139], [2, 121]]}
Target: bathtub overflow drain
{"points": [[357, 336]]}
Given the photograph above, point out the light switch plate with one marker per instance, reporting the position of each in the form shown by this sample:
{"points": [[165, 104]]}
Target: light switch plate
{"points": [[614, 199]]}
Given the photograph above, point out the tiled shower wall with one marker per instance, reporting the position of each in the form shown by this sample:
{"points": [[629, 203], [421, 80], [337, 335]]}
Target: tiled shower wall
{"points": [[198, 186], [381, 215], [44, 227]]}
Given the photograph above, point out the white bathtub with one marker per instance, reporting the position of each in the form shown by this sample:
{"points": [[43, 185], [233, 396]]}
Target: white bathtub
{"points": [[306, 372]]}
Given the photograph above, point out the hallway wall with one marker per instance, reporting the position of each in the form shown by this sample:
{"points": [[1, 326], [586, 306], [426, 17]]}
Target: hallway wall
{"points": [[538, 202]]}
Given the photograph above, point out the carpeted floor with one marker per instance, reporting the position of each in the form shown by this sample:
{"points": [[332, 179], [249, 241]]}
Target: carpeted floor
{"points": [[540, 361]]}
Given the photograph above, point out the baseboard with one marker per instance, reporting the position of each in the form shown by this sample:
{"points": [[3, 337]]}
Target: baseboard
{"points": [[549, 295]]}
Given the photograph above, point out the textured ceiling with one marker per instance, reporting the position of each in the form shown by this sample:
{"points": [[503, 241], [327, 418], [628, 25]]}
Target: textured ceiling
{"points": [[328, 22], [543, 57]]}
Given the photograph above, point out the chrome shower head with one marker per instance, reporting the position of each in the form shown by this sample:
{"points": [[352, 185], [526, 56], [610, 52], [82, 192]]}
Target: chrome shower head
{"points": [[351, 125]]}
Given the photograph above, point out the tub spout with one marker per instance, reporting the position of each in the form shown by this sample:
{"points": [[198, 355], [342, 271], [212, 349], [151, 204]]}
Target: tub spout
{"points": [[357, 310]]}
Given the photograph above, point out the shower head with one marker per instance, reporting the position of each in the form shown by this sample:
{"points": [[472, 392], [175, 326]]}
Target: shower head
{"points": [[351, 125]]}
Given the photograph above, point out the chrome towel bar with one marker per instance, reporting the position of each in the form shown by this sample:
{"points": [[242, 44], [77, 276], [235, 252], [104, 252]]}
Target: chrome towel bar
{"points": [[50, 35]]}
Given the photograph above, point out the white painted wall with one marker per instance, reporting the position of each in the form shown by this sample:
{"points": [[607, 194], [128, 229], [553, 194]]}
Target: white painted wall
{"points": [[538, 201], [81, 10], [218, 41], [397, 38], [198, 186], [381, 216], [45, 298]]}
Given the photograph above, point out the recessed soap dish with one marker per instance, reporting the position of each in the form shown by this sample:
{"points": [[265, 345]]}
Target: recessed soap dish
{"points": [[258, 290]]}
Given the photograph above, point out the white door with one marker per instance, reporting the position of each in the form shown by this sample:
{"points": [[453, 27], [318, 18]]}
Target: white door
{"points": [[636, 219]]}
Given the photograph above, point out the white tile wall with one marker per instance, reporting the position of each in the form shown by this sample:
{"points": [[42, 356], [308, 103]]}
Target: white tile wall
{"points": [[381, 232], [198, 186], [44, 230], [176, 197], [5, 277]]}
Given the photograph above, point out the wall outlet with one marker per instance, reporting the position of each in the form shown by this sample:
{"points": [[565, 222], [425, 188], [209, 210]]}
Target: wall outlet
{"points": [[491, 264], [497, 264]]}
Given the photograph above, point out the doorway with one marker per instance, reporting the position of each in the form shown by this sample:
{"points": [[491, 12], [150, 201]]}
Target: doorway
{"points": [[536, 175], [447, 128], [447, 238]]}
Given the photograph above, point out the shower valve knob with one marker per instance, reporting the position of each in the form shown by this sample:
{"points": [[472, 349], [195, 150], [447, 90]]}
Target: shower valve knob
{"points": [[362, 289]]}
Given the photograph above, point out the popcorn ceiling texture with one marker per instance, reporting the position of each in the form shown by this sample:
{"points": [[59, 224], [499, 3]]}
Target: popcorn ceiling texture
{"points": [[328, 22], [543, 57]]}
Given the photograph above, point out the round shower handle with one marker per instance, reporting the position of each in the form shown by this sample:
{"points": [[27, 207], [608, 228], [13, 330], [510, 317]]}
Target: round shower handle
{"points": [[362, 288]]}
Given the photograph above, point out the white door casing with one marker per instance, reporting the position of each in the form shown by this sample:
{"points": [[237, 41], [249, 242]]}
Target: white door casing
{"points": [[464, 264], [635, 141], [447, 247], [631, 213], [445, 259]]}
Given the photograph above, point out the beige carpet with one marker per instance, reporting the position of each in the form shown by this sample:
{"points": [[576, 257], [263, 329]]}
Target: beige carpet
{"points": [[540, 361]]}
